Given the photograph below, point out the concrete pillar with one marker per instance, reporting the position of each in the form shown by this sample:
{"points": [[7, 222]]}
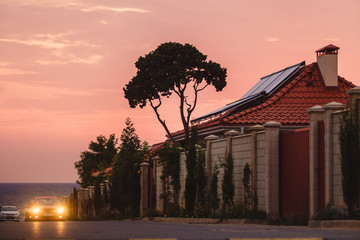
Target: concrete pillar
{"points": [[144, 186], [316, 114], [91, 193], [107, 192], [354, 95], [154, 181], [155, 163], [163, 191], [354, 98], [102, 190], [272, 194], [79, 203], [229, 135], [254, 130], [82, 198], [329, 109], [209, 139]]}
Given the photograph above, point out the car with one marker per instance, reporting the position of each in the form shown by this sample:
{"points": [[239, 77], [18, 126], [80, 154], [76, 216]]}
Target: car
{"points": [[28, 210], [9, 213], [45, 208]]}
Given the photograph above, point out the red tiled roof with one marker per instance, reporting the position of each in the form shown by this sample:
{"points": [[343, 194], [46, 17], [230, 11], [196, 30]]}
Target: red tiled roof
{"points": [[290, 103]]}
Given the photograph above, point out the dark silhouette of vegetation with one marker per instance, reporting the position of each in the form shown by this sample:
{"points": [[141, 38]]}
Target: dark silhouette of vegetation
{"points": [[190, 181], [201, 181], [350, 158], [125, 181], [247, 189], [98, 157], [228, 183], [169, 158], [173, 68], [213, 195]]}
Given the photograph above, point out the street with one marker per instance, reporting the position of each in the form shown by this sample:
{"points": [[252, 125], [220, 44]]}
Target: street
{"points": [[148, 229]]}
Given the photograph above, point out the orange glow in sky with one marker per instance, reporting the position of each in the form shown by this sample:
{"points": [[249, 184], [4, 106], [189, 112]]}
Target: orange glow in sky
{"points": [[63, 65]]}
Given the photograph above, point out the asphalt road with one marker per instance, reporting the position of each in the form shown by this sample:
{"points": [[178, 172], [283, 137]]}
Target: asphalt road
{"points": [[147, 229]]}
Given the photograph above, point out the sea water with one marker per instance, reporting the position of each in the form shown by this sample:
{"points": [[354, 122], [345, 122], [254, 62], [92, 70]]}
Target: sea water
{"points": [[19, 194]]}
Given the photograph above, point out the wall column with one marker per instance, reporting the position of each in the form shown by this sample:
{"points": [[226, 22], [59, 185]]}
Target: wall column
{"points": [[209, 139], [272, 194], [329, 109], [254, 130], [316, 115], [144, 186], [107, 192], [91, 192], [229, 135], [354, 95], [80, 198], [158, 185]]}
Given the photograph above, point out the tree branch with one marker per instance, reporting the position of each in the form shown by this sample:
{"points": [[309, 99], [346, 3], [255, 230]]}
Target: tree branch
{"points": [[198, 90], [155, 108]]}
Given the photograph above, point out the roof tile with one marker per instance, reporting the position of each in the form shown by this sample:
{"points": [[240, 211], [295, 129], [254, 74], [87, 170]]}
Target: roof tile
{"points": [[289, 105]]}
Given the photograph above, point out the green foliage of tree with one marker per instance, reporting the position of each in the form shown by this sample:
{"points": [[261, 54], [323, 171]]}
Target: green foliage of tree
{"points": [[228, 184], [169, 158], [98, 157], [201, 181], [173, 68], [247, 189], [213, 195], [190, 181], [125, 181], [350, 157]]}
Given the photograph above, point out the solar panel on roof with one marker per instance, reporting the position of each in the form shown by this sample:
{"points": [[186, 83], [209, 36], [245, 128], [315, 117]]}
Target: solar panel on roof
{"points": [[270, 82], [266, 85], [228, 106]]}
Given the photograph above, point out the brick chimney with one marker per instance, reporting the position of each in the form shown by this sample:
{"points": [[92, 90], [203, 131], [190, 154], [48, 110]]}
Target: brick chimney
{"points": [[327, 59]]}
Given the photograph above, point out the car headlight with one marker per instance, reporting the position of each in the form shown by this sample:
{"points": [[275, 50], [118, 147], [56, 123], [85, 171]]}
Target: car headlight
{"points": [[60, 210], [36, 210]]}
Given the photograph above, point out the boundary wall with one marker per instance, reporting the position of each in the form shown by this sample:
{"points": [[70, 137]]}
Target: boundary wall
{"points": [[260, 149]]}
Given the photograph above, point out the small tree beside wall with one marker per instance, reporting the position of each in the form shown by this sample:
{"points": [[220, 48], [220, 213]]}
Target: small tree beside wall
{"points": [[169, 158], [247, 187], [228, 183], [350, 157], [190, 181], [213, 195]]}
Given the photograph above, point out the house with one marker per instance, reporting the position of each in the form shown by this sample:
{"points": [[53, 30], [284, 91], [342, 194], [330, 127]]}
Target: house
{"points": [[283, 96]]}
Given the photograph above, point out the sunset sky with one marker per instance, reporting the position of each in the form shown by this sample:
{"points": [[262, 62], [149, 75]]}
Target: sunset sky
{"points": [[63, 64]]}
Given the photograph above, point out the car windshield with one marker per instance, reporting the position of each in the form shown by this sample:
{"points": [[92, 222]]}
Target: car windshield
{"points": [[8, 208], [47, 201]]}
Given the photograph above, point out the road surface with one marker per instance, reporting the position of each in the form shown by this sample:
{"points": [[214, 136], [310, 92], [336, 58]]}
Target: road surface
{"points": [[93, 230]]}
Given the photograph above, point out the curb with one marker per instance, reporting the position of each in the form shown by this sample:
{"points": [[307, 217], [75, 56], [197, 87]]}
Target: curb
{"points": [[187, 220], [205, 220], [347, 224]]}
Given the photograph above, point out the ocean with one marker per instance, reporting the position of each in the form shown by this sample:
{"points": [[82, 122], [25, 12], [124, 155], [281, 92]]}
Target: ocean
{"points": [[19, 194]]}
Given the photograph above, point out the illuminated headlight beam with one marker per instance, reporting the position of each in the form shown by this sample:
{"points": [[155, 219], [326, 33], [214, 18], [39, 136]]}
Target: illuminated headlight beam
{"points": [[60, 210]]}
